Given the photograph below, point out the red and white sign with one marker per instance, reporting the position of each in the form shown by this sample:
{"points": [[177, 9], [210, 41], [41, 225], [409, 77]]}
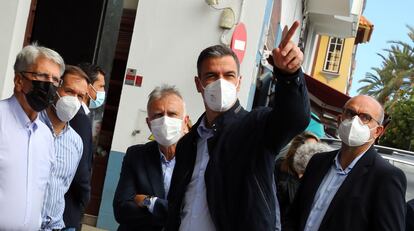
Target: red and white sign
{"points": [[239, 41]]}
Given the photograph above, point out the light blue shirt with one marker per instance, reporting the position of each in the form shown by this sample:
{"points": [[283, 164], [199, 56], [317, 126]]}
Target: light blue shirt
{"points": [[326, 192], [68, 146], [26, 159], [195, 215], [167, 167]]}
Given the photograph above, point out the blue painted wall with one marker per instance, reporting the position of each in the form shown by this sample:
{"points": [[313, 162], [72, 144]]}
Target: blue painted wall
{"points": [[106, 219], [265, 26]]}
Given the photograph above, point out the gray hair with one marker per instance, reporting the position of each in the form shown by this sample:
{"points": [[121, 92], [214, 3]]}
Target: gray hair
{"points": [[382, 115], [305, 152], [216, 51], [29, 54], [161, 92]]}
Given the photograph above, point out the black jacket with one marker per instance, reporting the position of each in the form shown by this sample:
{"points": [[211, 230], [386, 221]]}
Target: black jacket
{"points": [[141, 174], [78, 195], [372, 197], [239, 175], [287, 184], [410, 216]]}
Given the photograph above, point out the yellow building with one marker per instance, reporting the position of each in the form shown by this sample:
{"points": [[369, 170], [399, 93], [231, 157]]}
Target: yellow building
{"points": [[335, 57]]}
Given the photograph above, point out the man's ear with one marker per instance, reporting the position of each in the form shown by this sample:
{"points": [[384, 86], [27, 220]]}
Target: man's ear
{"points": [[148, 123], [18, 82], [198, 84], [186, 119], [238, 85], [339, 119], [379, 131], [186, 127]]}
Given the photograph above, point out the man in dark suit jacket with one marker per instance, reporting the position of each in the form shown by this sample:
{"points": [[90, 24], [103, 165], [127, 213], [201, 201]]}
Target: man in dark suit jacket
{"points": [[410, 216], [78, 195], [353, 188], [140, 198]]}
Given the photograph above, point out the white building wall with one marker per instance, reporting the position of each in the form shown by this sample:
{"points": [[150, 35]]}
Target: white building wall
{"points": [[310, 49], [291, 10], [168, 36], [14, 15]]}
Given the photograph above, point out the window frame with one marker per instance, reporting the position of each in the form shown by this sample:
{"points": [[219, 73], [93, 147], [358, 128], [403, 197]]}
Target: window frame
{"points": [[328, 51]]}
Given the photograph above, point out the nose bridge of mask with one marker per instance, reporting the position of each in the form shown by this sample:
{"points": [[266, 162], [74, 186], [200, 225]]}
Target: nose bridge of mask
{"points": [[166, 130], [362, 124], [41, 95], [165, 121], [222, 79]]}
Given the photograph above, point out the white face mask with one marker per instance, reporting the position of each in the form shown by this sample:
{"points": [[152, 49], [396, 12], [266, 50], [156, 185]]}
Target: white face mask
{"points": [[67, 107], [166, 130], [220, 95], [354, 133]]}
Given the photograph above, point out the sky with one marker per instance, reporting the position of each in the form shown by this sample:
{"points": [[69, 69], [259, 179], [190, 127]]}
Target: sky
{"points": [[390, 19]]}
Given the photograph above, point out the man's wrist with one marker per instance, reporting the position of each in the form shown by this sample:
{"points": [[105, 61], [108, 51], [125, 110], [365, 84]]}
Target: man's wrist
{"points": [[147, 201]]}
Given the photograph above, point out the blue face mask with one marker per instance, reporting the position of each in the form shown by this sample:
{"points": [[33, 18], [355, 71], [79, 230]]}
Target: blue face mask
{"points": [[100, 98]]}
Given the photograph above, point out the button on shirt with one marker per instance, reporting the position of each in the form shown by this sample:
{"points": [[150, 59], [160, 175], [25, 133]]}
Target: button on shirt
{"points": [[26, 158], [68, 146], [326, 192], [167, 167], [196, 215]]}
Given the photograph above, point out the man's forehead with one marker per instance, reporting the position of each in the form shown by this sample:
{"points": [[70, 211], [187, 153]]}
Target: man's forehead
{"points": [[363, 104], [220, 61], [73, 78], [170, 101], [74, 81]]}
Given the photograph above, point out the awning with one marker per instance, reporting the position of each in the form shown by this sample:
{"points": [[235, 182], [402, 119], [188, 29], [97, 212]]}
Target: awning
{"points": [[315, 126], [365, 29], [326, 102]]}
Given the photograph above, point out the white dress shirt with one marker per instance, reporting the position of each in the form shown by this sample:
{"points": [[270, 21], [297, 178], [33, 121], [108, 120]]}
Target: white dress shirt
{"points": [[196, 215], [26, 159]]}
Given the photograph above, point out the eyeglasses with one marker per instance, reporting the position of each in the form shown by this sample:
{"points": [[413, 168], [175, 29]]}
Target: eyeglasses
{"points": [[56, 81], [364, 117]]}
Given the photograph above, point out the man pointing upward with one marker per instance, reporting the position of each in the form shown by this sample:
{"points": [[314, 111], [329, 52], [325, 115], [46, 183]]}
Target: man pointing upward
{"points": [[223, 178]]}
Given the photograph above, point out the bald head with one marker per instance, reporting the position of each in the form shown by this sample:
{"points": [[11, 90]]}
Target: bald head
{"points": [[366, 104]]}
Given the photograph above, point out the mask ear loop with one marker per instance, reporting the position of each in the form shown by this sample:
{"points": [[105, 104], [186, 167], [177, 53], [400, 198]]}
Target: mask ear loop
{"points": [[238, 82], [93, 88], [54, 104]]}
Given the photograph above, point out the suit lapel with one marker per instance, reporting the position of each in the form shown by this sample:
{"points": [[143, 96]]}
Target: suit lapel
{"points": [[356, 173], [154, 171]]}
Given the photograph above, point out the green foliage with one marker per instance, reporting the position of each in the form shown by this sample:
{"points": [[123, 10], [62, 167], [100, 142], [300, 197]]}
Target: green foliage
{"points": [[392, 85], [400, 132], [396, 74]]}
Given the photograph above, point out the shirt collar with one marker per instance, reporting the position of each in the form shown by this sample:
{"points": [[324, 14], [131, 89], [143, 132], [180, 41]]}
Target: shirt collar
{"points": [[203, 130], [338, 166], [163, 159], [21, 115], [85, 108], [45, 118]]}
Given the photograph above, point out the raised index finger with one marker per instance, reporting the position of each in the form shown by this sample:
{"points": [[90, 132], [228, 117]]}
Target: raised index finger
{"points": [[289, 34]]}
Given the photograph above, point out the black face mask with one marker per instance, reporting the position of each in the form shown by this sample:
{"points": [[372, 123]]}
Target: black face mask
{"points": [[41, 96]]}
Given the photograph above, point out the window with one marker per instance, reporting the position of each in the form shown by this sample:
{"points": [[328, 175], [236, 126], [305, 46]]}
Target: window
{"points": [[333, 55]]}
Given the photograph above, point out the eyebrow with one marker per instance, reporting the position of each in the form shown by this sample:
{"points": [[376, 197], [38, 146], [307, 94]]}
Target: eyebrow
{"points": [[216, 73]]}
